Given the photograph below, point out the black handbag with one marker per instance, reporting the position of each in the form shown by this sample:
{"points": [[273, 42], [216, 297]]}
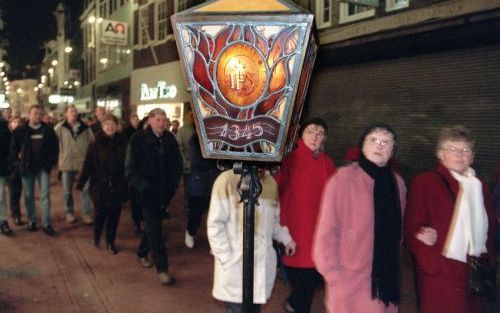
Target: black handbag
{"points": [[482, 276]]}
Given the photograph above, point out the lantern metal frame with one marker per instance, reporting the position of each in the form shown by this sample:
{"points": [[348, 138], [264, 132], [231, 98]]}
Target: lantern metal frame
{"points": [[192, 26]]}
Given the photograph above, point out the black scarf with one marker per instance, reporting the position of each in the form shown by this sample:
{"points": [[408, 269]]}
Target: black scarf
{"points": [[387, 233]]}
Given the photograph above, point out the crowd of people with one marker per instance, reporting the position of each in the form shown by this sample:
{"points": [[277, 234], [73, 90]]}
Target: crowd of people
{"points": [[339, 228]]}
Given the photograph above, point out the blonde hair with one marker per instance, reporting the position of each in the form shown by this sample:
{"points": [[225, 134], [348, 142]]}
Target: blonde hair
{"points": [[455, 133]]}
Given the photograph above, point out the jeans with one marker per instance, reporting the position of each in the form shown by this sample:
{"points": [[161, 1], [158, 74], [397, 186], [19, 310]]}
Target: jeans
{"points": [[43, 179], [3, 201], [68, 178]]}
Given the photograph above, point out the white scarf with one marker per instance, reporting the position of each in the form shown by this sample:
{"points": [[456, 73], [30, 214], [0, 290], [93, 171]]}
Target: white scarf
{"points": [[469, 226]]}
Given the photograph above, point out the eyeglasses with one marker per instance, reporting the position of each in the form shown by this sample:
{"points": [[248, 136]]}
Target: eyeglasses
{"points": [[458, 151], [380, 142]]}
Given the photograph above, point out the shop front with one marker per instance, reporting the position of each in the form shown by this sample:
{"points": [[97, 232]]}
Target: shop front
{"points": [[159, 86], [114, 97]]}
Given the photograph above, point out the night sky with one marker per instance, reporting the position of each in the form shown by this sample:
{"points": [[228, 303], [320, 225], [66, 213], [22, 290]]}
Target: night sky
{"points": [[28, 24]]}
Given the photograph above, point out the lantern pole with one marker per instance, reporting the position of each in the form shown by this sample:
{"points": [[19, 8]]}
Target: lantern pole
{"points": [[249, 189]]}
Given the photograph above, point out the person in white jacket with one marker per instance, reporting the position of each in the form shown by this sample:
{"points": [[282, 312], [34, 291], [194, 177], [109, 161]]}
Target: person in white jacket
{"points": [[225, 235]]}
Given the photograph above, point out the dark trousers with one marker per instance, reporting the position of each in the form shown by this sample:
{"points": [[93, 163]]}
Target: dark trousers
{"points": [[109, 216], [304, 282], [238, 307], [186, 179], [197, 206], [15, 189], [135, 206], [152, 238]]}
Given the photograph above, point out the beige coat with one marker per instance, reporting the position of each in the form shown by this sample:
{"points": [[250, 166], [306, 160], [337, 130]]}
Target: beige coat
{"points": [[225, 235], [72, 150]]}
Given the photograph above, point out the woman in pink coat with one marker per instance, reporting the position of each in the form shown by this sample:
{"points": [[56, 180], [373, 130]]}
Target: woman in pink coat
{"points": [[358, 235], [449, 218]]}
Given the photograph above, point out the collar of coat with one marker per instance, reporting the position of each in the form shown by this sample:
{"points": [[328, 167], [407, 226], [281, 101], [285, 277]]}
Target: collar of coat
{"points": [[80, 130]]}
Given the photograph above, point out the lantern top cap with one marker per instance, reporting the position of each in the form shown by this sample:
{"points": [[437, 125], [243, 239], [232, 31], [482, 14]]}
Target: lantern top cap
{"points": [[247, 6]]}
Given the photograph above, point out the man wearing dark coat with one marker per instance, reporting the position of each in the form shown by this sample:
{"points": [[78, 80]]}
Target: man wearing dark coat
{"points": [[33, 152], [153, 167]]}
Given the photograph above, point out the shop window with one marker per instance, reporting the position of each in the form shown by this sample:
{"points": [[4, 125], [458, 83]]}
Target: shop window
{"points": [[162, 19], [103, 9], [352, 12], [112, 55], [392, 5], [113, 5], [180, 5], [144, 26], [323, 13]]}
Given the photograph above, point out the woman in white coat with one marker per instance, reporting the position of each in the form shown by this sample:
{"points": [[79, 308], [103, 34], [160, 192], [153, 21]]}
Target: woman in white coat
{"points": [[225, 235]]}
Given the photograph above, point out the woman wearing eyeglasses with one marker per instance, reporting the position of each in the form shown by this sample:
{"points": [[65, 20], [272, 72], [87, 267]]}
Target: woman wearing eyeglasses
{"points": [[449, 218], [358, 236]]}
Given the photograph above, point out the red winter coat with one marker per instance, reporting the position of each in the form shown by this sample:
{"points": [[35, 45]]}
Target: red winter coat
{"points": [[442, 282], [301, 181]]}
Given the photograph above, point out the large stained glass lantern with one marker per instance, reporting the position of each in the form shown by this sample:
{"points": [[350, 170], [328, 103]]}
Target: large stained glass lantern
{"points": [[247, 65]]}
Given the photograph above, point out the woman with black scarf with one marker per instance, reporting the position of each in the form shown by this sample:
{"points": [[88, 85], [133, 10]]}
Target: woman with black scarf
{"points": [[358, 236]]}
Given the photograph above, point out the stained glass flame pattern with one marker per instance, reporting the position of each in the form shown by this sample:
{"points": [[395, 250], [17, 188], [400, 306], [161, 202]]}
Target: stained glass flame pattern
{"points": [[242, 82]]}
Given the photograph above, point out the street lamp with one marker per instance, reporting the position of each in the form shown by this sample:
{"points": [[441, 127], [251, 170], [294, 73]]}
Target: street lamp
{"points": [[68, 49], [248, 66]]}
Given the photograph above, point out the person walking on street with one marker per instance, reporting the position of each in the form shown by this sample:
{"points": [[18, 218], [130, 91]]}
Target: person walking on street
{"points": [[14, 181], [135, 204], [302, 176], [34, 151], [74, 139], [203, 174], [104, 164], [96, 125], [225, 235], [4, 173], [153, 166], [357, 242], [183, 136], [448, 223]]}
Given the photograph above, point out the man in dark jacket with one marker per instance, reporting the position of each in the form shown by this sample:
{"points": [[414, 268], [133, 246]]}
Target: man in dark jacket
{"points": [[34, 151], [153, 167], [4, 173]]}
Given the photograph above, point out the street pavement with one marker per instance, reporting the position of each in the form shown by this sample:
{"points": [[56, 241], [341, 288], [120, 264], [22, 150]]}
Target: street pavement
{"points": [[67, 273]]}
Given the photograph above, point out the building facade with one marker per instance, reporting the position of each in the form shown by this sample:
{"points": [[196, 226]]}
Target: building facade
{"points": [[417, 65], [107, 55], [157, 78]]}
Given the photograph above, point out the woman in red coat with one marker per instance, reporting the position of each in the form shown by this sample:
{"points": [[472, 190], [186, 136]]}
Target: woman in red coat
{"points": [[448, 219], [302, 176]]}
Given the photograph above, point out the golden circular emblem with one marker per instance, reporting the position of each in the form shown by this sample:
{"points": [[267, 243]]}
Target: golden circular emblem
{"points": [[241, 74]]}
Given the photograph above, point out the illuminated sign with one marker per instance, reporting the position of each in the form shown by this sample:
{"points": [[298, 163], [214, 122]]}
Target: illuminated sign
{"points": [[114, 33], [160, 91], [109, 104], [56, 99]]}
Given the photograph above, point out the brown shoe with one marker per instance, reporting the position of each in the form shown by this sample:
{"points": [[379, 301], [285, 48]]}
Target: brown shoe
{"points": [[145, 262], [166, 279]]}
